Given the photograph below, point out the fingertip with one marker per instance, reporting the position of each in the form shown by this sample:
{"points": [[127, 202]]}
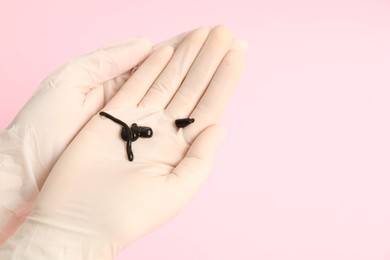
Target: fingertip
{"points": [[200, 33], [240, 45], [145, 41], [222, 31], [178, 39], [204, 29]]}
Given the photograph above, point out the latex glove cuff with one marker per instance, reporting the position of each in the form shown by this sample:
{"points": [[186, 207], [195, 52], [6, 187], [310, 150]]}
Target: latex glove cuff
{"points": [[35, 240]]}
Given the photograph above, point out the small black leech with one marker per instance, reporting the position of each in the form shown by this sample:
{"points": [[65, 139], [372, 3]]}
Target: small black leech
{"points": [[130, 134], [136, 131], [181, 123]]}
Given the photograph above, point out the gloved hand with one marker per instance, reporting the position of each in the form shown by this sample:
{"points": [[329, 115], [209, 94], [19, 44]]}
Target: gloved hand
{"points": [[95, 201], [62, 105]]}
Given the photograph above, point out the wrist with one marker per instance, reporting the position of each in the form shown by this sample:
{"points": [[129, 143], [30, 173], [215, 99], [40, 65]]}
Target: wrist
{"points": [[18, 184], [38, 240]]}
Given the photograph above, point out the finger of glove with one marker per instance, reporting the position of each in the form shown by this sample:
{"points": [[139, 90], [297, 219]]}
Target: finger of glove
{"points": [[165, 86], [138, 84], [213, 103], [175, 41], [197, 165], [107, 63], [197, 79]]}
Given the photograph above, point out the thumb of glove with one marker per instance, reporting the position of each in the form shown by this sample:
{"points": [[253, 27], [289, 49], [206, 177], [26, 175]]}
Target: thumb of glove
{"points": [[197, 165]]}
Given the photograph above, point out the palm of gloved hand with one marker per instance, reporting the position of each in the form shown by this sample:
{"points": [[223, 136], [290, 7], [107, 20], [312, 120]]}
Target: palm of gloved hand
{"points": [[95, 189], [131, 198]]}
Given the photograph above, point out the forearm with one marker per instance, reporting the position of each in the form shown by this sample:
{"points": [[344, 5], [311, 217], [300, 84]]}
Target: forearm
{"points": [[35, 240]]}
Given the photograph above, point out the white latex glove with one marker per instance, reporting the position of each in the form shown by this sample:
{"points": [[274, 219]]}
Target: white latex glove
{"points": [[62, 105], [95, 201]]}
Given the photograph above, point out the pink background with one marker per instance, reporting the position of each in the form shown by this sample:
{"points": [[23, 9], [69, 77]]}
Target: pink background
{"points": [[305, 173]]}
